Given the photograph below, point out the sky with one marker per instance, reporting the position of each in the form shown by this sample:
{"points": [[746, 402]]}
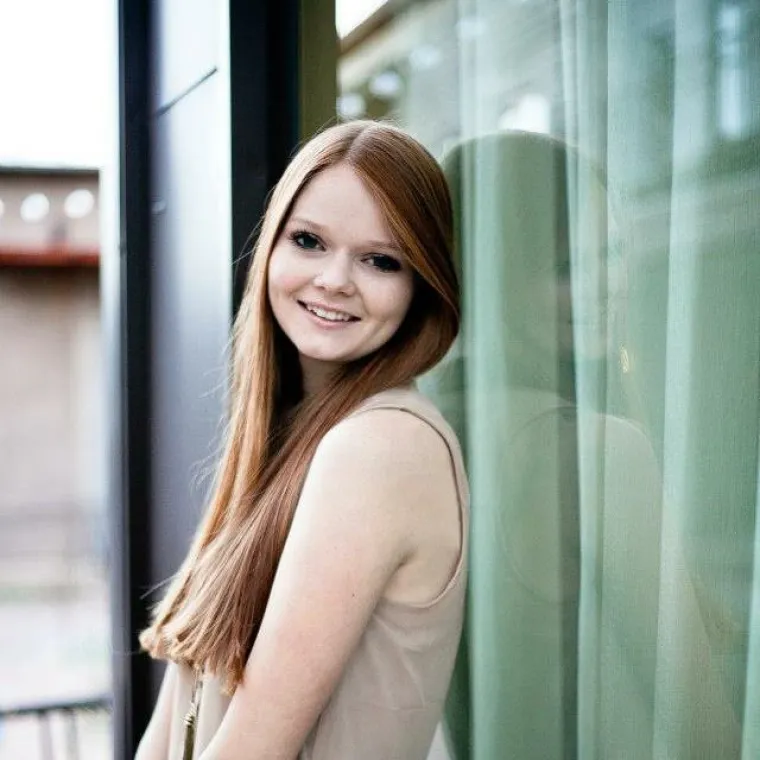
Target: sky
{"points": [[55, 94], [350, 13], [56, 64]]}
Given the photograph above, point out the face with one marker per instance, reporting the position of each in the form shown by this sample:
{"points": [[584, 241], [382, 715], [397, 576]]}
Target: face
{"points": [[339, 286]]}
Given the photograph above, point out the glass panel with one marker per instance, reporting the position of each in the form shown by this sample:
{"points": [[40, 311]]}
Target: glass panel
{"points": [[605, 165]]}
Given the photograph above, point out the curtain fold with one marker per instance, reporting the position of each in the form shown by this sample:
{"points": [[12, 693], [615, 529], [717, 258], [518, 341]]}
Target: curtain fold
{"points": [[751, 735]]}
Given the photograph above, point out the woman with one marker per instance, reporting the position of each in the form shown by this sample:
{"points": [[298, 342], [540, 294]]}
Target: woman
{"points": [[319, 609]]}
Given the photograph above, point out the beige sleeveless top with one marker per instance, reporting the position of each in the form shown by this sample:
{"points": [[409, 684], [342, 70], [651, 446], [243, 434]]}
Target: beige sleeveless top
{"points": [[391, 694]]}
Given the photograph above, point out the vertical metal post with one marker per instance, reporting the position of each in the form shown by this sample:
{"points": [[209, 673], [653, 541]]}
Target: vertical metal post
{"points": [[262, 49], [46, 736], [264, 94], [72, 735], [129, 426]]}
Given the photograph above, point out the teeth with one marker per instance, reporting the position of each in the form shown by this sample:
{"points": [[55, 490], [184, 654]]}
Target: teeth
{"points": [[332, 316]]}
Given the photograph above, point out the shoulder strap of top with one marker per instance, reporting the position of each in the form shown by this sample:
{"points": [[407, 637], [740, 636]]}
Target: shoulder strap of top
{"points": [[409, 399]]}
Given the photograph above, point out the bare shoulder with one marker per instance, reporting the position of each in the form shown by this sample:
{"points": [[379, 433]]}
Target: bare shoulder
{"points": [[385, 479], [392, 470], [382, 442]]}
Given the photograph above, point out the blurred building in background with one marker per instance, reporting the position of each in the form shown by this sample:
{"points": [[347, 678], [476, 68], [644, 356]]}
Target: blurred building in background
{"points": [[51, 397], [53, 524]]}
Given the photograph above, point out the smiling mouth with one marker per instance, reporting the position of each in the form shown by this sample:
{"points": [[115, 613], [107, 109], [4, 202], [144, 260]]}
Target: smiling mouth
{"points": [[328, 315]]}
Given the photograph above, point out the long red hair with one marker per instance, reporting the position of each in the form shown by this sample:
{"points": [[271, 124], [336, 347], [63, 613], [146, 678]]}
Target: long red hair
{"points": [[213, 608]]}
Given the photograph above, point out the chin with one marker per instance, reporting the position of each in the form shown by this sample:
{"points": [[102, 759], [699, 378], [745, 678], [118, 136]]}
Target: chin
{"points": [[325, 358], [320, 355]]}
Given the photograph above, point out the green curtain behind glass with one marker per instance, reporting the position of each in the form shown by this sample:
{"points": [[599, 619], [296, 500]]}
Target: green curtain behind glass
{"points": [[606, 387]]}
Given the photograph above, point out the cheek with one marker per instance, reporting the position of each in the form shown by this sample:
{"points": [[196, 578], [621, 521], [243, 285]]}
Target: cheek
{"points": [[395, 302], [282, 276]]}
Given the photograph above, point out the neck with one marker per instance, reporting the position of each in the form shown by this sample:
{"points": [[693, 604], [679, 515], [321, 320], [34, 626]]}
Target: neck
{"points": [[315, 375]]}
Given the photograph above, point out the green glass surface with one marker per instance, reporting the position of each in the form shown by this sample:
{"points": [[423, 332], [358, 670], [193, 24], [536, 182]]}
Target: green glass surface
{"points": [[604, 161]]}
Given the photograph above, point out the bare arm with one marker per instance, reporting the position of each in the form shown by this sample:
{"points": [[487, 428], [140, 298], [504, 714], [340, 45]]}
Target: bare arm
{"points": [[349, 535], [154, 744]]}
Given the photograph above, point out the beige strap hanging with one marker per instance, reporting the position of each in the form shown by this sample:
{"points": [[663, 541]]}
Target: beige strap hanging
{"points": [[191, 718]]}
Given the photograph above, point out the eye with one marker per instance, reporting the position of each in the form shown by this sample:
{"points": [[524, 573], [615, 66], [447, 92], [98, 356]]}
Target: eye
{"points": [[306, 240], [384, 263]]}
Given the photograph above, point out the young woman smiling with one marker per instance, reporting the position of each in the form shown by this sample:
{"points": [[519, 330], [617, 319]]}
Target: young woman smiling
{"points": [[318, 611]]}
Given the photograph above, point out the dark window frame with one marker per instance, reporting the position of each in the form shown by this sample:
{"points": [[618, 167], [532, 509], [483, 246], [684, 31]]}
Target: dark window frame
{"points": [[263, 51]]}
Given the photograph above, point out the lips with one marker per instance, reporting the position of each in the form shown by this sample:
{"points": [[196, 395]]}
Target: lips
{"points": [[328, 314]]}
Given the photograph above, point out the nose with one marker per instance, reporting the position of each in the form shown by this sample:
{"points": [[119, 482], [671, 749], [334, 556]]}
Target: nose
{"points": [[336, 274]]}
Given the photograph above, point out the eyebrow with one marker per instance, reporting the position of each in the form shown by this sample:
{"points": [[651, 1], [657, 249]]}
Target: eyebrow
{"points": [[322, 230]]}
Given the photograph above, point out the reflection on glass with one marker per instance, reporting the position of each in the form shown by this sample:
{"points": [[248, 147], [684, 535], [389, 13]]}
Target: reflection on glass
{"points": [[543, 443], [605, 169], [737, 113]]}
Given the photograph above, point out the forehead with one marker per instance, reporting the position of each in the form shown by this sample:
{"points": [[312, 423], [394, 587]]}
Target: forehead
{"points": [[338, 200]]}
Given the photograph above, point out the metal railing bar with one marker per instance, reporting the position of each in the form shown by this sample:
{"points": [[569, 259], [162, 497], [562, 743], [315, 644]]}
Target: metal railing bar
{"points": [[99, 702], [68, 710]]}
